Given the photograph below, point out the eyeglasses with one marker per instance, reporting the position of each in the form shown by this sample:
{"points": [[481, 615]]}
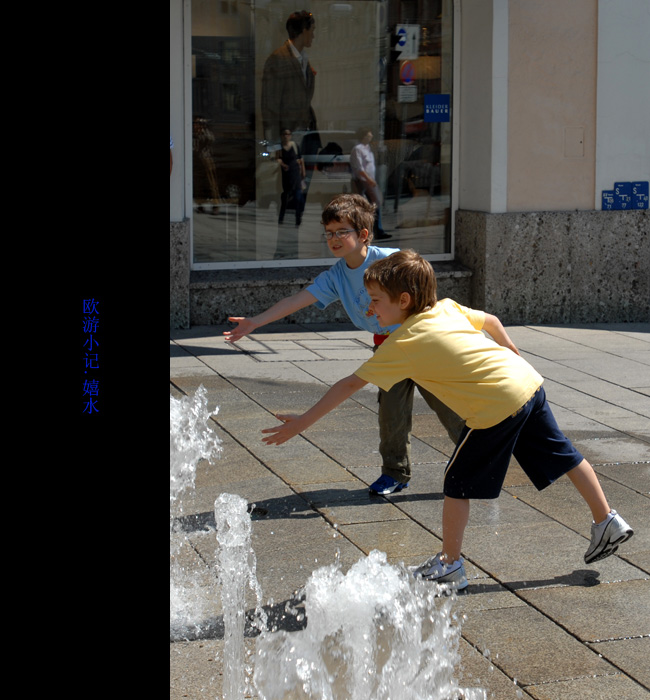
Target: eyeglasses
{"points": [[341, 233]]}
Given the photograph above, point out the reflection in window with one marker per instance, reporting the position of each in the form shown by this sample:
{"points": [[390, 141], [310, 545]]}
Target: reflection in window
{"points": [[365, 78]]}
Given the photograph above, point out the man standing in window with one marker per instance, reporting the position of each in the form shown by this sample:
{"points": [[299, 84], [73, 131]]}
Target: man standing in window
{"points": [[288, 85], [362, 164]]}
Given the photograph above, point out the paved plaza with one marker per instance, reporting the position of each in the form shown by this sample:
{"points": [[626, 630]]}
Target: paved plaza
{"points": [[536, 622]]}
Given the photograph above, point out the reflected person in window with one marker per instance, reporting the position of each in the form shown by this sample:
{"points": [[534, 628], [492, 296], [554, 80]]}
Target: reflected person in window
{"points": [[293, 174], [288, 82], [362, 164]]}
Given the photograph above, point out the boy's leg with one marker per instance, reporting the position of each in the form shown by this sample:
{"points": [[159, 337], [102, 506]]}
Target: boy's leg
{"points": [[395, 422], [447, 567], [584, 478], [545, 454], [455, 516], [451, 421]]}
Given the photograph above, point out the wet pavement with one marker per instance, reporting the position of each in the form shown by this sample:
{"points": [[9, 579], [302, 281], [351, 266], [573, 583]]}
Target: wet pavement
{"points": [[536, 621]]}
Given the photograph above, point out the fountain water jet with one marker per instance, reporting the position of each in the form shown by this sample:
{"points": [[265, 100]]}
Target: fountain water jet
{"points": [[191, 438], [375, 633], [237, 567]]}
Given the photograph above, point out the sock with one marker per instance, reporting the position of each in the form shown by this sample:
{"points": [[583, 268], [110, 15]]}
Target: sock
{"points": [[610, 515]]}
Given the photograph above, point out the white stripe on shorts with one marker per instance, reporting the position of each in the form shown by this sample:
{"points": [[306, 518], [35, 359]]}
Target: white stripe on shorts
{"points": [[456, 451]]}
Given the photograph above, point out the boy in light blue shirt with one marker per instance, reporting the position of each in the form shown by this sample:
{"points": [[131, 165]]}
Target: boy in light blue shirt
{"points": [[348, 220]]}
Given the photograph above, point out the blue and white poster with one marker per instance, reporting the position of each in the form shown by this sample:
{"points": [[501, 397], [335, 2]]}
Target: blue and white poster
{"points": [[436, 108]]}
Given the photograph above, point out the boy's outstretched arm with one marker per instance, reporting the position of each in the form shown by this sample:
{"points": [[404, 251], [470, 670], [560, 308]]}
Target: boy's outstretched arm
{"points": [[495, 328], [293, 425], [283, 308]]}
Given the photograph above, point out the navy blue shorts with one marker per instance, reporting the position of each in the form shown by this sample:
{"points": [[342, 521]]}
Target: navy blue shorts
{"points": [[478, 466]]}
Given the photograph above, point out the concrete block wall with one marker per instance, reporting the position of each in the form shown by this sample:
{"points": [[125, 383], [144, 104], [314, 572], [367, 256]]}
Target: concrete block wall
{"points": [[558, 267], [217, 294], [179, 274]]}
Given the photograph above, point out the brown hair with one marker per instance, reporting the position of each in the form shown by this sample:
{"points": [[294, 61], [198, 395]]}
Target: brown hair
{"points": [[405, 271], [353, 207], [298, 22]]}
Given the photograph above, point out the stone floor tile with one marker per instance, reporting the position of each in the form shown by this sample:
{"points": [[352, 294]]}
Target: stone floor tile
{"points": [[610, 687], [397, 538], [635, 476], [529, 647], [630, 655], [618, 449], [331, 371], [351, 513], [312, 468], [324, 494], [594, 613], [196, 669], [336, 349], [477, 671]]}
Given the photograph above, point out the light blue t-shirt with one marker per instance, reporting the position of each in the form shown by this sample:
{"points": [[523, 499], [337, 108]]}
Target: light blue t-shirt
{"points": [[342, 283]]}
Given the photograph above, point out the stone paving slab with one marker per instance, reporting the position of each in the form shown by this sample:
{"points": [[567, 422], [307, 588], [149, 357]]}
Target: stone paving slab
{"points": [[591, 385], [611, 687], [397, 538], [323, 495], [597, 613], [351, 512], [630, 655], [330, 372], [529, 647], [618, 449], [477, 671]]}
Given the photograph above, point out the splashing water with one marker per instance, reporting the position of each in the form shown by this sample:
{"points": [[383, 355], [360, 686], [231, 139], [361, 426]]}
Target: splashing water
{"points": [[237, 567], [375, 633], [191, 439]]}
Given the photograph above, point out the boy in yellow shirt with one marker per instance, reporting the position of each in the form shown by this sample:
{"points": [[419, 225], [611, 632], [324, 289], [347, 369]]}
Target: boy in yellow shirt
{"points": [[441, 347]]}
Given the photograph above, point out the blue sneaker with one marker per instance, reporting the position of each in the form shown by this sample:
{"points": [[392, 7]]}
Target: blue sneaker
{"points": [[385, 485]]}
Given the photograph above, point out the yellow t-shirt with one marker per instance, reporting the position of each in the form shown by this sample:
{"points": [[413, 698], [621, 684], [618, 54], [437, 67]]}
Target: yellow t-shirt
{"points": [[445, 352]]}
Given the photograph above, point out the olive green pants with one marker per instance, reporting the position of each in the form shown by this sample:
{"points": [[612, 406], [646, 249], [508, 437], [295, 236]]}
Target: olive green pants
{"points": [[395, 423]]}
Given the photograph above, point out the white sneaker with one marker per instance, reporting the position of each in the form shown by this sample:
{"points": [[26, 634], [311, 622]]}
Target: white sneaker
{"points": [[606, 537], [452, 575]]}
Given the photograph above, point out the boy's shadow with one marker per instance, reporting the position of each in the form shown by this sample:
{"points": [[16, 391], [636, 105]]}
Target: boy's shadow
{"points": [[300, 506]]}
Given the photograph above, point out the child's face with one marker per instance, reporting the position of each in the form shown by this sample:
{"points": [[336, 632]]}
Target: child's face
{"points": [[351, 243], [387, 311]]}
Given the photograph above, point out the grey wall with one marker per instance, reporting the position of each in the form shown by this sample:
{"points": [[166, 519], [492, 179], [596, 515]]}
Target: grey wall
{"points": [[179, 274], [215, 295], [558, 267]]}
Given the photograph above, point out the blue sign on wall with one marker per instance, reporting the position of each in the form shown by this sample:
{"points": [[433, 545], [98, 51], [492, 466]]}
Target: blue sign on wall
{"points": [[626, 195], [622, 195], [436, 108], [608, 199], [640, 195]]}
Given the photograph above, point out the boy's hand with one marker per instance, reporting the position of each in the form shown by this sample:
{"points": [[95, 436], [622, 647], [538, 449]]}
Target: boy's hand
{"points": [[281, 433], [244, 327]]}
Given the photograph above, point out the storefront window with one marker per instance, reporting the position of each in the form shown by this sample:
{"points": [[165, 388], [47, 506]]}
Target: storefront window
{"points": [[273, 141]]}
